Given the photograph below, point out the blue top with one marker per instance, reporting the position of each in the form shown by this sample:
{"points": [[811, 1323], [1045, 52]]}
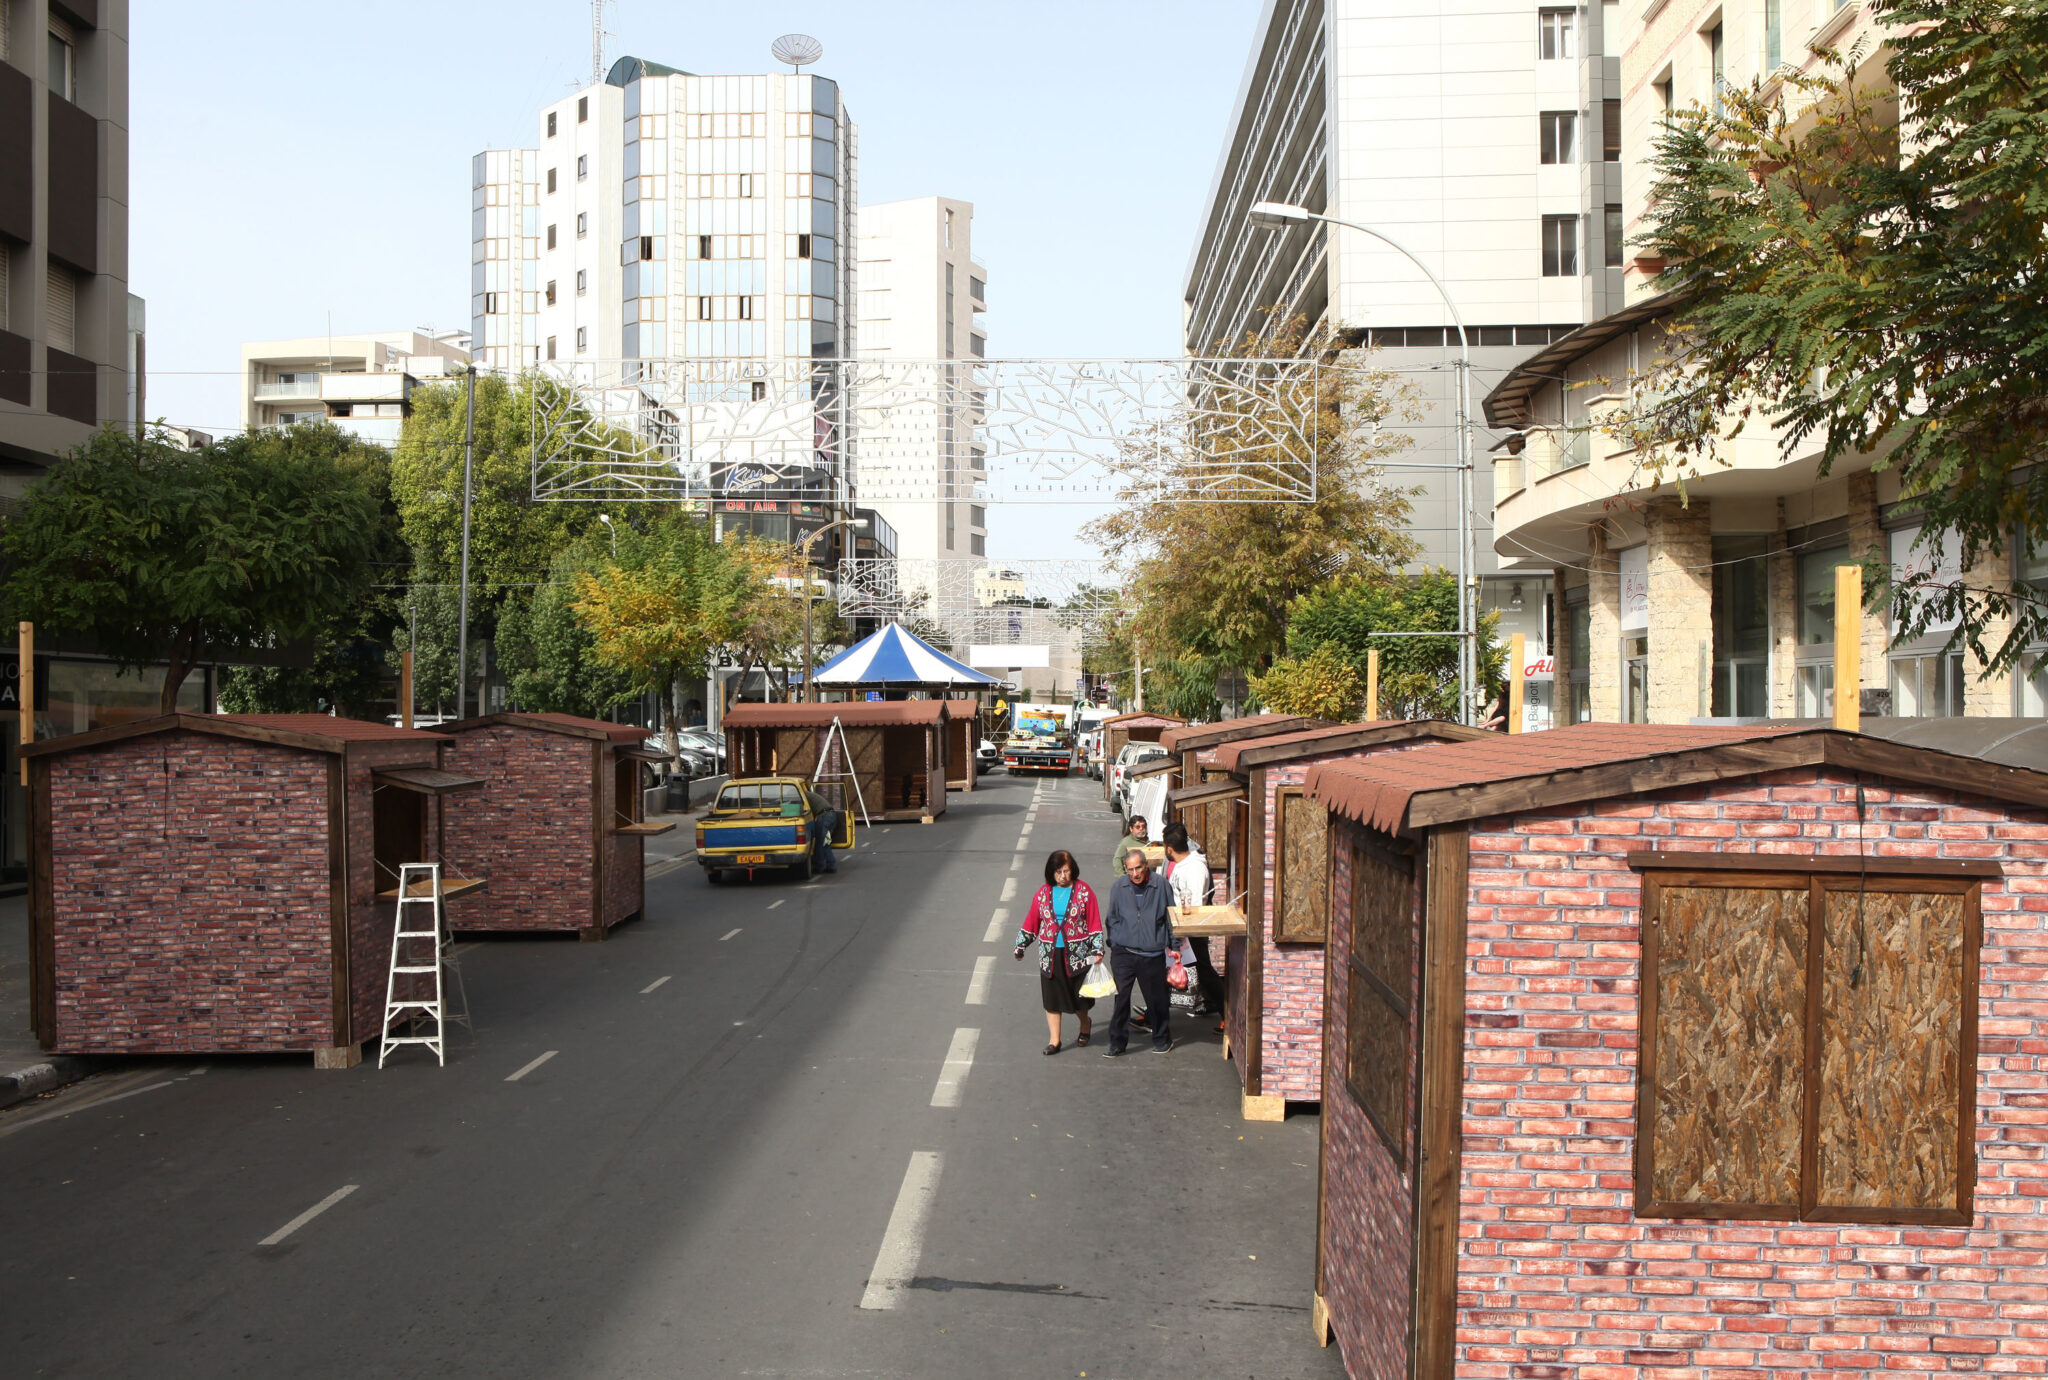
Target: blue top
{"points": [[1061, 895]]}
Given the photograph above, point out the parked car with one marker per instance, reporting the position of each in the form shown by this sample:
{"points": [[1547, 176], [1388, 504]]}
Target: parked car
{"points": [[1088, 746], [694, 762], [711, 744], [763, 822], [1119, 781], [987, 757]]}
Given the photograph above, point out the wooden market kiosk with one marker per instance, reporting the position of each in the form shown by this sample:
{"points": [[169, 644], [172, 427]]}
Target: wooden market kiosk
{"points": [[963, 737], [1272, 838], [1712, 989], [1130, 728], [1188, 742], [560, 827], [226, 883], [895, 749]]}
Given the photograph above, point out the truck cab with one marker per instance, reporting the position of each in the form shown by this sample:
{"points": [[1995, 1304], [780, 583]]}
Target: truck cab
{"points": [[1041, 738], [764, 822]]}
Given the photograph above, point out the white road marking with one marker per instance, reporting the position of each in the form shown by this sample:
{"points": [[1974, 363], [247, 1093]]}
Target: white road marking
{"points": [[308, 1215], [959, 1059], [1024, 833], [727, 935], [903, 1239], [1009, 889], [997, 923], [977, 986], [1015, 858], [514, 1078], [773, 904], [654, 984]]}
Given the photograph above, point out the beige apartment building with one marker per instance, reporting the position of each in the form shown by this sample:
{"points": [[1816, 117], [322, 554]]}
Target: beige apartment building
{"points": [[1719, 602], [362, 383]]}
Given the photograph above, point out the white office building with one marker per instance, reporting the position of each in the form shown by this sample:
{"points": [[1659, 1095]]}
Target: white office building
{"points": [[1484, 136], [922, 293], [362, 382]]}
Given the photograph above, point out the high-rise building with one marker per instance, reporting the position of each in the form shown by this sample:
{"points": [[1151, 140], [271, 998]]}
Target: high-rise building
{"points": [[1484, 137], [922, 293], [71, 335], [362, 383]]}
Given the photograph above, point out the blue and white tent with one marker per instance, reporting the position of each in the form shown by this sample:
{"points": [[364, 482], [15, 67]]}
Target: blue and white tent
{"points": [[894, 657]]}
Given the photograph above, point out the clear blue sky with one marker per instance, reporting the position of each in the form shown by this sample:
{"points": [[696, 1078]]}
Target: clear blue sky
{"points": [[289, 161]]}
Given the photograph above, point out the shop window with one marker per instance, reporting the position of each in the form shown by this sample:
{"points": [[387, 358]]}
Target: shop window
{"points": [[1808, 1045], [1815, 672], [1579, 623], [1381, 972], [1741, 627], [1301, 881], [1635, 679]]}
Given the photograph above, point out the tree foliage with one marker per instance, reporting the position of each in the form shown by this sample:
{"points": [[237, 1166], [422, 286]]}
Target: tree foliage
{"points": [[1886, 302], [1215, 562], [548, 655], [164, 556], [1322, 684], [1418, 675]]}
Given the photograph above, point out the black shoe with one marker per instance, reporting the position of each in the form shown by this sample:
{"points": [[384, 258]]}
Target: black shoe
{"points": [[1050, 1049], [1166, 1048], [1112, 1054]]}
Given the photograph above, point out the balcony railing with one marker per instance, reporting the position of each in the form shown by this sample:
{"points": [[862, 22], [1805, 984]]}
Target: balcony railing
{"points": [[297, 388]]}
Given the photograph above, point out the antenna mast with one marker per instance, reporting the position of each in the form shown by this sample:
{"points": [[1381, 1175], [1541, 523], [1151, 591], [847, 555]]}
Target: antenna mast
{"points": [[597, 38]]}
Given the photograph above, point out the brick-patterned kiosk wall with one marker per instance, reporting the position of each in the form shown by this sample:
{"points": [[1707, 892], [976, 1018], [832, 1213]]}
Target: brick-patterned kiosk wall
{"points": [[371, 920], [1367, 1195], [1558, 1278], [527, 833], [189, 897], [1290, 1015]]}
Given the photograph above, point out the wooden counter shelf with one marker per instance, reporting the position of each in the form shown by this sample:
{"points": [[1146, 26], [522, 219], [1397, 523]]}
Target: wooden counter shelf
{"points": [[451, 887], [1207, 922], [645, 829]]}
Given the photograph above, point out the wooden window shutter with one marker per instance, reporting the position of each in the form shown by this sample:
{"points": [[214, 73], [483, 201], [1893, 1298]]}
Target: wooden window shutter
{"points": [[1300, 873], [1382, 978]]}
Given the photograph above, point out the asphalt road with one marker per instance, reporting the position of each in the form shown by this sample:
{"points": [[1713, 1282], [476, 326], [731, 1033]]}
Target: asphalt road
{"points": [[709, 1175]]}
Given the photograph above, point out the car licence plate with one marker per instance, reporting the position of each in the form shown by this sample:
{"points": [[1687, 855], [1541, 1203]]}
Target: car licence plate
{"points": [[752, 858]]}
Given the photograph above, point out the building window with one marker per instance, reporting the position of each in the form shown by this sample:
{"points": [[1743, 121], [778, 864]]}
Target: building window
{"points": [[61, 310], [703, 308], [1774, 35], [952, 514], [1815, 672], [551, 347], [582, 109], [551, 292], [746, 309], [1808, 1043], [1610, 131], [1635, 678], [551, 237], [803, 246], [646, 247], [551, 179], [1554, 33], [1614, 237], [582, 224], [1717, 63], [1559, 131], [582, 339], [1560, 246], [582, 281], [703, 246], [1578, 617], [582, 167], [551, 124], [1742, 627], [977, 544], [63, 68]]}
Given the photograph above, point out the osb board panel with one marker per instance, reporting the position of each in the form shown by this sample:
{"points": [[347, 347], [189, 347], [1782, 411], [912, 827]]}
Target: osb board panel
{"points": [[1377, 1067], [1300, 909], [1382, 937], [1215, 821], [796, 751], [1892, 990], [1730, 1045]]}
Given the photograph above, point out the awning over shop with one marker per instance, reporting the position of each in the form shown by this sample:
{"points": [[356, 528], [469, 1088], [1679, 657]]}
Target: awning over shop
{"points": [[1152, 768], [1208, 793], [426, 780]]}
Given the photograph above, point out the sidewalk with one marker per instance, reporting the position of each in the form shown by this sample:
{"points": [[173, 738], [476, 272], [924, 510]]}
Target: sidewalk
{"points": [[25, 1070]]}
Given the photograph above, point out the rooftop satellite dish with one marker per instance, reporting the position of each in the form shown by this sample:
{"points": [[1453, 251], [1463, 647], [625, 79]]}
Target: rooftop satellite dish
{"points": [[798, 50]]}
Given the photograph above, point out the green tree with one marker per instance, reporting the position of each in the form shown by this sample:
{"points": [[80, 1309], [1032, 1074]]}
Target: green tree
{"points": [[548, 655], [1216, 561], [427, 625], [1418, 675], [1888, 303], [1322, 684], [160, 556]]}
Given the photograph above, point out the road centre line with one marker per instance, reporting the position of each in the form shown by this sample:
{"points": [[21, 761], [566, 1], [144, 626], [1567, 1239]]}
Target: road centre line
{"points": [[977, 986], [1009, 889], [1016, 857], [997, 923], [727, 935], [953, 1073], [308, 1215], [654, 984], [903, 1238], [773, 904], [514, 1078], [1025, 832]]}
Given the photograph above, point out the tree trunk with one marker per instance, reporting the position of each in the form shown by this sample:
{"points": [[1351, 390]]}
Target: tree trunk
{"points": [[179, 667]]}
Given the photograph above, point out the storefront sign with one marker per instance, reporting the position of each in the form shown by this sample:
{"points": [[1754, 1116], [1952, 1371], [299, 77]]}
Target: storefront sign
{"points": [[1635, 589], [1540, 668]]}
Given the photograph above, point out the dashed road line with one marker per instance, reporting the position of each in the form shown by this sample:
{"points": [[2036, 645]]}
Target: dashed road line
{"points": [[1025, 832], [997, 923], [654, 984], [773, 904], [727, 935], [1009, 889], [959, 1060], [903, 1238], [977, 986], [308, 1215], [514, 1078]]}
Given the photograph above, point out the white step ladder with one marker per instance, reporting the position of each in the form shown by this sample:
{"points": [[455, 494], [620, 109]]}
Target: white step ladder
{"points": [[416, 963], [821, 777]]}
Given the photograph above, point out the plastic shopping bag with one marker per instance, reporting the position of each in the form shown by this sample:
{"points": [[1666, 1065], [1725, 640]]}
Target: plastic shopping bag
{"points": [[1098, 981]]}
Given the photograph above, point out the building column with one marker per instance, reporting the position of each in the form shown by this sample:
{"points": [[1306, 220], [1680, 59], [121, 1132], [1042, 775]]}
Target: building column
{"points": [[1560, 650], [1989, 697], [1867, 537], [1603, 608], [1784, 622], [1681, 563]]}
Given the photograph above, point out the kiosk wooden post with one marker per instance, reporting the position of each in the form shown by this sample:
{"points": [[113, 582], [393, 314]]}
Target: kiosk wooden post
{"points": [[1515, 683]]}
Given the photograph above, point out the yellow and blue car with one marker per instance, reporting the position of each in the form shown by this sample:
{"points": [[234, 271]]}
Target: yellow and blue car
{"points": [[762, 822]]}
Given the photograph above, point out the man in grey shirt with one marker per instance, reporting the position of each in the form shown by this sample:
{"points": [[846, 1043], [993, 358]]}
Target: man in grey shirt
{"points": [[1140, 933]]}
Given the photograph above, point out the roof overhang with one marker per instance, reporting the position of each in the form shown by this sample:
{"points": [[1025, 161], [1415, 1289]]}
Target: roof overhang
{"points": [[425, 780], [1208, 793], [1508, 405]]}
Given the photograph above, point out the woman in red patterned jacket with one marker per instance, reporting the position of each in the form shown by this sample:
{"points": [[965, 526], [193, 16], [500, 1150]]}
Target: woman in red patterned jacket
{"points": [[1067, 923]]}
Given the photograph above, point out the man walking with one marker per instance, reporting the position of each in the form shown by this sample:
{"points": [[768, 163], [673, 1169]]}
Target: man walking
{"points": [[1187, 875], [1140, 933]]}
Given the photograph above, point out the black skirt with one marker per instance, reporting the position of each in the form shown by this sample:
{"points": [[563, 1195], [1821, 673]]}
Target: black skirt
{"points": [[1060, 991]]}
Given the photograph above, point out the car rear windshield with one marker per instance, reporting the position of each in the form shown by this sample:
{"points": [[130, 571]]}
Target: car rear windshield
{"points": [[758, 795]]}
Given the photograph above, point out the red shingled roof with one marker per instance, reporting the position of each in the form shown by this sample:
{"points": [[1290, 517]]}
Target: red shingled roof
{"points": [[1251, 725], [317, 732], [1377, 790], [853, 713], [1230, 756]]}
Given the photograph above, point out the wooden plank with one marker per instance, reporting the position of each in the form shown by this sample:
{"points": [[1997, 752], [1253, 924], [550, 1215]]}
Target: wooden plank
{"points": [[1848, 650], [1442, 1104], [1207, 922], [452, 886], [1927, 767], [1301, 869], [42, 904], [1255, 942], [339, 931], [1643, 861]]}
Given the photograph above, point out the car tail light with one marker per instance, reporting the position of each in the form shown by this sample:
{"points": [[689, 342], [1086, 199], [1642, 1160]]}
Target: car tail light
{"points": [[800, 834]]}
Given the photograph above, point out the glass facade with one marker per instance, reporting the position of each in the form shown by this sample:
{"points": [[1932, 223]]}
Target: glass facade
{"points": [[1742, 632]]}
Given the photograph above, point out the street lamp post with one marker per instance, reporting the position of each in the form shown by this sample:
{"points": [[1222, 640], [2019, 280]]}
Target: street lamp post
{"points": [[1278, 215], [803, 555], [462, 611]]}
